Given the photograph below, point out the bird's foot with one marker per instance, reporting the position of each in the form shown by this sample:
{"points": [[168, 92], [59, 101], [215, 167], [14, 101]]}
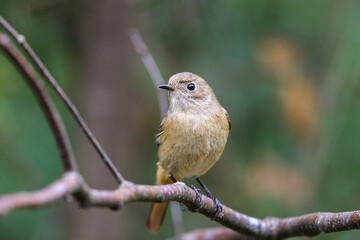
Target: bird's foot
{"points": [[197, 192], [218, 207]]}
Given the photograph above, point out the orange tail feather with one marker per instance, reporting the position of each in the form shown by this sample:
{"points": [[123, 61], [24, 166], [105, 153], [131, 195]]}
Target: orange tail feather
{"points": [[156, 216]]}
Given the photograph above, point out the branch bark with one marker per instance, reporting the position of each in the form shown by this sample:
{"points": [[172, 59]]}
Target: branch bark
{"points": [[128, 192]]}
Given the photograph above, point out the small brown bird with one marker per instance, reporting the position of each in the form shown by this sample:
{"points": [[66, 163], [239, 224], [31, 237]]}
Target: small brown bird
{"points": [[191, 138]]}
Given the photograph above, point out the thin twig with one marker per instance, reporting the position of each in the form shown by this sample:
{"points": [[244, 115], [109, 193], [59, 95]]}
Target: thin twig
{"points": [[48, 107], [152, 68], [177, 218], [157, 79], [73, 110], [128, 192]]}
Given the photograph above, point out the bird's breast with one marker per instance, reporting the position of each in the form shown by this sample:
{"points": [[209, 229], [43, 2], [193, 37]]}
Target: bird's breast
{"points": [[191, 143]]}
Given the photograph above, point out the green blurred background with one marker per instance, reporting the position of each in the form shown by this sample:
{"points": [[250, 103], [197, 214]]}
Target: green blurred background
{"points": [[287, 72]]}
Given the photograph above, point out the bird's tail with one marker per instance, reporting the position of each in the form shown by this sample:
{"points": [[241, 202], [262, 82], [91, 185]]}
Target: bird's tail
{"points": [[156, 216], [158, 210]]}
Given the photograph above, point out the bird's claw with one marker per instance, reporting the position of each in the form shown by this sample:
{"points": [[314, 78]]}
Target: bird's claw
{"points": [[182, 207], [218, 208], [197, 192]]}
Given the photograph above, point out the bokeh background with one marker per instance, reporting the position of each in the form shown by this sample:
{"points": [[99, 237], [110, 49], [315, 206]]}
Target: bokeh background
{"points": [[288, 72]]}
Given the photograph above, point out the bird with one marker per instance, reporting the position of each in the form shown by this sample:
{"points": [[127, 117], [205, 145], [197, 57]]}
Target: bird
{"points": [[191, 138]]}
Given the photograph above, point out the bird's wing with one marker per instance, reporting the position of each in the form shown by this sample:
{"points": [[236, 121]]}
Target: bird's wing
{"points": [[160, 130], [228, 118]]}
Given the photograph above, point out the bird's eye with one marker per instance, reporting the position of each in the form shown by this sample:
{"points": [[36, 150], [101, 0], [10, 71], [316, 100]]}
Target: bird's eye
{"points": [[191, 86]]}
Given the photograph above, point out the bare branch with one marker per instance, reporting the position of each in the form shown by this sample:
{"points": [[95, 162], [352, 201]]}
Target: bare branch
{"points": [[152, 68], [268, 228], [219, 233], [47, 105], [73, 110], [69, 183]]}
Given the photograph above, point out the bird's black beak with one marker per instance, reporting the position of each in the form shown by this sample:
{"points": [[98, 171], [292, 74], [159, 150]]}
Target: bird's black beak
{"points": [[167, 87]]}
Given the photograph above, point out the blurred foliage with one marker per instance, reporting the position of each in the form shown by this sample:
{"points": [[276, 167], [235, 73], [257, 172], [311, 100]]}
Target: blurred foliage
{"points": [[286, 71]]}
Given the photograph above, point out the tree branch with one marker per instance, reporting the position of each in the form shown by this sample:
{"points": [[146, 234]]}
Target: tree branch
{"points": [[219, 233], [128, 192], [152, 68], [71, 107], [47, 105], [68, 184]]}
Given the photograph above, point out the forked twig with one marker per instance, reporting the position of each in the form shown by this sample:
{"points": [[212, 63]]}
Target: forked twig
{"points": [[73, 110], [46, 103]]}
